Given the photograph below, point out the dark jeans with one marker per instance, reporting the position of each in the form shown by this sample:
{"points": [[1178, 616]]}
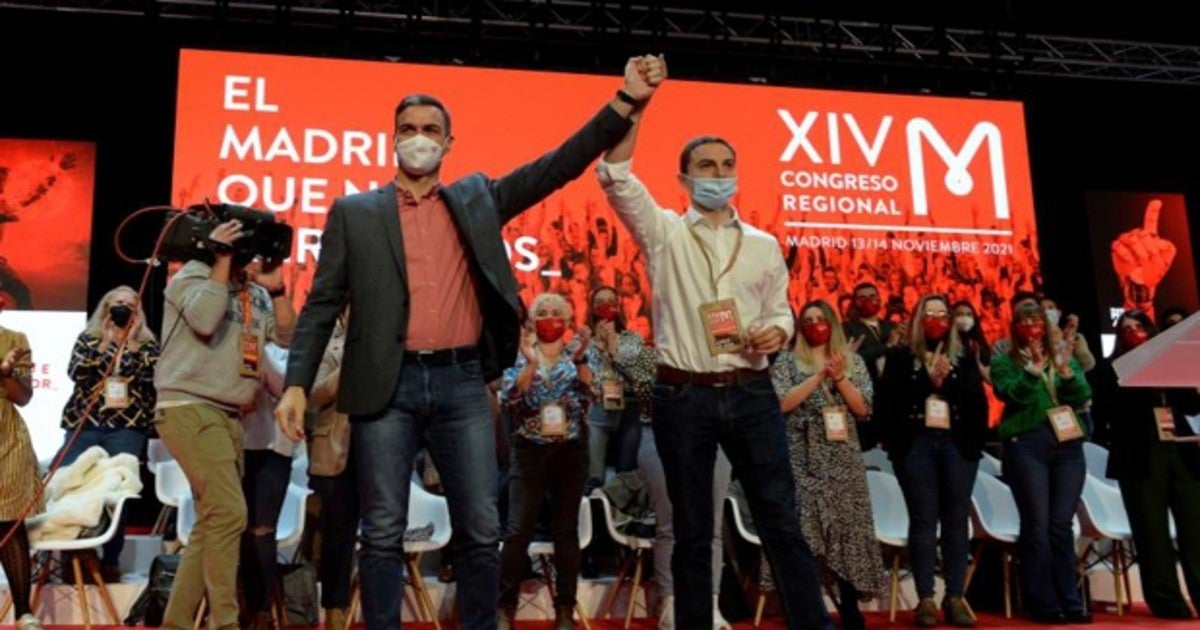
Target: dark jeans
{"points": [[1046, 478], [619, 429], [114, 442], [1171, 487], [535, 469], [265, 483], [446, 410], [937, 482], [339, 528], [689, 423]]}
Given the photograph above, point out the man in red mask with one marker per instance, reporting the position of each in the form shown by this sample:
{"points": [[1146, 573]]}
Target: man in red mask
{"points": [[873, 336]]}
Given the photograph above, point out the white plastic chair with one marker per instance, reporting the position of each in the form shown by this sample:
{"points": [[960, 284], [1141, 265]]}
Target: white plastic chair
{"points": [[891, 525], [543, 551], [751, 536], [424, 508], [994, 519], [81, 561], [636, 560], [877, 459], [156, 453], [1102, 516], [171, 487], [991, 465], [1096, 457]]}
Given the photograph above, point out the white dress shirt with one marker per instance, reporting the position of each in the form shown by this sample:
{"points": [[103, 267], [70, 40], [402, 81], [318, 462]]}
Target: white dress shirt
{"points": [[680, 279]]}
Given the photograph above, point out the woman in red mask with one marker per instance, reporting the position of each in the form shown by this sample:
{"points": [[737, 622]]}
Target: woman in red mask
{"points": [[1159, 477], [548, 393], [624, 370], [823, 387], [1043, 461], [934, 414]]}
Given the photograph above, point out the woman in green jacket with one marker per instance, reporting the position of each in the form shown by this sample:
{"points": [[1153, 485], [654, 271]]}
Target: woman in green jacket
{"points": [[1040, 384]]}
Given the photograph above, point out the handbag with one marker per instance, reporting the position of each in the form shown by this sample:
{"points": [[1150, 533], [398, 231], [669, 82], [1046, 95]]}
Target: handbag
{"points": [[330, 444]]}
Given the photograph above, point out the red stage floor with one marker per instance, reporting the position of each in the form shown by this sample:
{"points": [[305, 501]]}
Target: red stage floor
{"points": [[1139, 617]]}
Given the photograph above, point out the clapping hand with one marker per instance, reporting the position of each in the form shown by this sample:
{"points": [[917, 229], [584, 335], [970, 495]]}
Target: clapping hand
{"points": [[835, 366]]}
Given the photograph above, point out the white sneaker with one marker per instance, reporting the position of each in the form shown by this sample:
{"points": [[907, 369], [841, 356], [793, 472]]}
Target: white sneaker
{"points": [[666, 613], [29, 622], [719, 622]]}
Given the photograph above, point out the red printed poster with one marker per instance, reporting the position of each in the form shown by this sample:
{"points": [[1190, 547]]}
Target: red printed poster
{"points": [[46, 191], [917, 194]]}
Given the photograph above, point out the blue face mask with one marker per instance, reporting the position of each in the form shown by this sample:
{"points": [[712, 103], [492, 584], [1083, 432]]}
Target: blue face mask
{"points": [[712, 193]]}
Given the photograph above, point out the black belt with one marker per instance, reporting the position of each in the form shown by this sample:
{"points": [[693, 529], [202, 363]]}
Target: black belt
{"points": [[675, 376], [449, 356]]}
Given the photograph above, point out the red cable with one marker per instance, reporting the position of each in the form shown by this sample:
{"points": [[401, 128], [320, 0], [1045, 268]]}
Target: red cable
{"points": [[108, 370]]}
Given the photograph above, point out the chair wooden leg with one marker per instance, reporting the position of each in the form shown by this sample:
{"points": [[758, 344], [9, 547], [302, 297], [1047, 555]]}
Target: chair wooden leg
{"points": [[895, 588], [616, 590], [582, 616], [633, 591], [1126, 552], [1006, 563], [8, 604], [972, 566], [759, 608], [200, 613], [77, 566], [353, 610], [93, 566], [424, 600], [40, 583], [1118, 569]]}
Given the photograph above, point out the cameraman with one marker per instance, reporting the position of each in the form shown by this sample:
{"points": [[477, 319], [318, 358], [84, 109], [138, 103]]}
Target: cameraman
{"points": [[215, 324]]}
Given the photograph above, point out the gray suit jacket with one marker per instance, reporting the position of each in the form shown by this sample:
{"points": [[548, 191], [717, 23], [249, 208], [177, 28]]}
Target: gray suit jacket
{"points": [[362, 264]]}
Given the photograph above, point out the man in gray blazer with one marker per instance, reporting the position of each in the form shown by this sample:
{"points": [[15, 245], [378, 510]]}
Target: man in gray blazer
{"points": [[433, 318]]}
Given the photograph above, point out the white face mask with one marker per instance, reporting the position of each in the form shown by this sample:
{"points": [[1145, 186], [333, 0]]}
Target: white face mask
{"points": [[419, 155], [965, 323], [1053, 315]]}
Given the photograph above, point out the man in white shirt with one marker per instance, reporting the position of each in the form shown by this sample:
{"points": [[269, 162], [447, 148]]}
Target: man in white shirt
{"points": [[719, 309]]}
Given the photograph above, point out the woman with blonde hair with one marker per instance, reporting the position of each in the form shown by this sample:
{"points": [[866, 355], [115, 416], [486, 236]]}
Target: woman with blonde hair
{"points": [[933, 410], [1040, 386], [823, 387], [114, 405]]}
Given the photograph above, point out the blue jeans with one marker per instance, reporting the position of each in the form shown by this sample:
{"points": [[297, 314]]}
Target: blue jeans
{"points": [[114, 442], [690, 421], [620, 429], [937, 482], [445, 409], [1046, 478]]}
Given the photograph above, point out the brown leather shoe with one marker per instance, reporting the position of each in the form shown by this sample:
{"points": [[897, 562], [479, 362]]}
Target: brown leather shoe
{"points": [[927, 613], [957, 612]]}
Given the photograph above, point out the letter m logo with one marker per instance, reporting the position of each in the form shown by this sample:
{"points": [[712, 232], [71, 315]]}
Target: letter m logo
{"points": [[958, 180]]}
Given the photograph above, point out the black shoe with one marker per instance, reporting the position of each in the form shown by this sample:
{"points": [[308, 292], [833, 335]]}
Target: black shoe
{"points": [[1077, 617], [1173, 614], [1047, 617]]}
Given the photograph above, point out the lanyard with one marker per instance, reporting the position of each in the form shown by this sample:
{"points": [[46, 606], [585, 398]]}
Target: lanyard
{"points": [[247, 309], [737, 247], [1048, 379]]}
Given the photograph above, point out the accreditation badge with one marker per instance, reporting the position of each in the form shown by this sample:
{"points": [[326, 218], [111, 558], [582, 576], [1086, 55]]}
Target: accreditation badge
{"points": [[937, 413], [1065, 424], [250, 354], [837, 429], [722, 327], [116, 392], [553, 421]]}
